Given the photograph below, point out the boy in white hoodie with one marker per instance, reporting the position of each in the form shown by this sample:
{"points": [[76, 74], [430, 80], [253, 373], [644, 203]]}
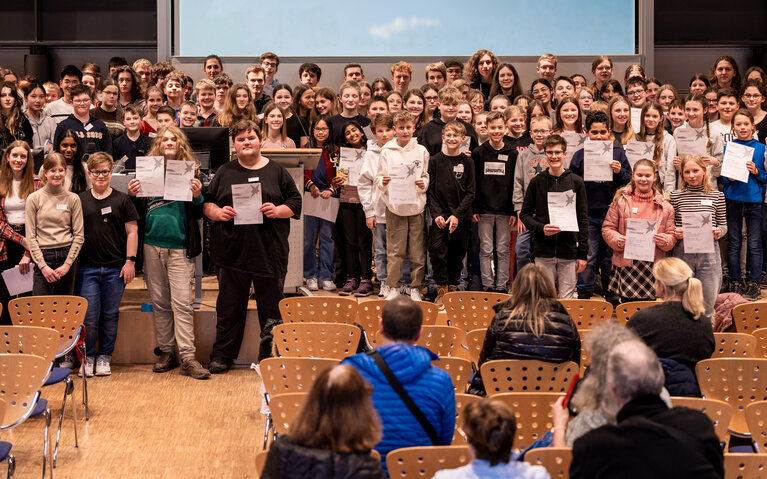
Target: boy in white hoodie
{"points": [[404, 161]]}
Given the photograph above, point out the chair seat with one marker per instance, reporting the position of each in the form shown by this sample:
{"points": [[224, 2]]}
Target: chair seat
{"points": [[40, 408], [57, 375], [5, 450]]}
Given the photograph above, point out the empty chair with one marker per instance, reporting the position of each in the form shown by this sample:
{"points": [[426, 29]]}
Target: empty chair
{"points": [[461, 401], [748, 317], [469, 310], [734, 345], [556, 460], [474, 341], [424, 462], [587, 313], [745, 466], [626, 310], [284, 408], [761, 342], [585, 356], [533, 414], [756, 418], [285, 375], [442, 340], [719, 412], [515, 375], [316, 340], [5, 447], [318, 309], [459, 370]]}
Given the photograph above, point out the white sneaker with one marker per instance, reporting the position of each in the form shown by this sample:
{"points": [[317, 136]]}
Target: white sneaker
{"points": [[415, 294], [327, 285], [67, 362], [311, 284], [88, 365], [392, 294], [383, 291], [103, 368]]}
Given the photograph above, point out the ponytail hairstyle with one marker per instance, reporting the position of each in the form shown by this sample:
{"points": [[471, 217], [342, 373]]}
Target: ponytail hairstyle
{"points": [[699, 161], [701, 98], [632, 184], [628, 133], [532, 293], [677, 280], [490, 427], [659, 133]]}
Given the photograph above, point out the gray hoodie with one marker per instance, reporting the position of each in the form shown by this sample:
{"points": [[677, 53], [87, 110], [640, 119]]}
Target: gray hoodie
{"points": [[530, 162]]}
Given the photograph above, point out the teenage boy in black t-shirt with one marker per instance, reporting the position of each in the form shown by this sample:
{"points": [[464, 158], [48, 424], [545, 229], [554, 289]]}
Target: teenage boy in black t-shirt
{"points": [[350, 100]]}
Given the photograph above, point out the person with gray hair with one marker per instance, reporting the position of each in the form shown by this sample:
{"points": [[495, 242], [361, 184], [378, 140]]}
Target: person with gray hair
{"points": [[649, 439]]}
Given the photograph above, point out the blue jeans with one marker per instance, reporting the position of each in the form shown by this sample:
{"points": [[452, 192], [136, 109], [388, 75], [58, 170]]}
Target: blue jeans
{"points": [[312, 227], [600, 256], [752, 212], [523, 249], [103, 288], [707, 267]]}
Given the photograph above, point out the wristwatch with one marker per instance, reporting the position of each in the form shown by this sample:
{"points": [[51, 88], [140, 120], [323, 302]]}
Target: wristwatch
{"points": [[131, 258]]}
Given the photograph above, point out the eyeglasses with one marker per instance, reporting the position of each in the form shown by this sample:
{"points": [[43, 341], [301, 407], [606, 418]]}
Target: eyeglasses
{"points": [[540, 132], [100, 172], [81, 102], [268, 64], [635, 93]]}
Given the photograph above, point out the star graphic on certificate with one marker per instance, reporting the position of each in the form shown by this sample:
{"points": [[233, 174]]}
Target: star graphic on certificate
{"points": [[705, 220], [569, 199], [410, 170], [581, 141], [188, 167], [699, 134], [360, 154], [607, 147], [158, 162], [649, 148], [650, 227], [254, 190]]}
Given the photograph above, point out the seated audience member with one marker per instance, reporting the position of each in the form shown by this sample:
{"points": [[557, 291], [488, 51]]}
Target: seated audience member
{"points": [[531, 324], [649, 439], [93, 133], [333, 433], [490, 427], [429, 387], [678, 330]]}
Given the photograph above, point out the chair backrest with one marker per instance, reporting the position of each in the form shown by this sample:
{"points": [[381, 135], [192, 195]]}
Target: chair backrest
{"points": [[474, 341], [461, 401], [442, 340], [719, 412], [369, 312], [316, 340], [737, 381], [587, 313], [290, 375], [748, 317], [585, 355], [624, 311], [529, 375], [459, 370], [756, 418], [533, 414], [64, 314], [318, 309], [744, 466], [469, 310], [430, 312], [424, 462], [284, 408], [43, 342], [556, 460], [261, 462], [21, 377], [761, 342], [734, 345]]}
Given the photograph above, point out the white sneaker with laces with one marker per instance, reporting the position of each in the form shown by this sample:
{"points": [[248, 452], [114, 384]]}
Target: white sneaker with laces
{"points": [[415, 294], [311, 284], [88, 365], [327, 285], [383, 291], [392, 294], [103, 368]]}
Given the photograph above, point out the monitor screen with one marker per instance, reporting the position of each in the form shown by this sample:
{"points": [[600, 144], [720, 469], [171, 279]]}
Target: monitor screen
{"points": [[209, 144]]}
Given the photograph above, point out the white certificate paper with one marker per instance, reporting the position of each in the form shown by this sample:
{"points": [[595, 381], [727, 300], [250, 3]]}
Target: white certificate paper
{"points": [[639, 150], [402, 188], [246, 201], [562, 210], [351, 159], [639, 241], [178, 180], [16, 282], [734, 162], [320, 208], [597, 156], [636, 118], [575, 142], [150, 171], [698, 231], [690, 141]]}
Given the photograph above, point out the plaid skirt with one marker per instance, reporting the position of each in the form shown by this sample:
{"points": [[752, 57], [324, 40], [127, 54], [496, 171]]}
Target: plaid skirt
{"points": [[634, 281]]}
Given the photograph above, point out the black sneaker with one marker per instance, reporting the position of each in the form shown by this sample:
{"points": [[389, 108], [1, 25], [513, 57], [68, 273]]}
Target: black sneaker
{"points": [[584, 294], [752, 291], [219, 365]]}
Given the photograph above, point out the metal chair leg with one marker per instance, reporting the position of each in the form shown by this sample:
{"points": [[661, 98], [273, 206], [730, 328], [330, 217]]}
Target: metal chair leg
{"points": [[69, 387], [11, 466], [85, 390], [45, 441], [266, 430]]}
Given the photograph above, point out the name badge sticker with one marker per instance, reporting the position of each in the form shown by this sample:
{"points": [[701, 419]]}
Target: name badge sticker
{"points": [[503, 157], [253, 179], [495, 168], [88, 127], [106, 211], [635, 210], [61, 206], [458, 168], [707, 202]]}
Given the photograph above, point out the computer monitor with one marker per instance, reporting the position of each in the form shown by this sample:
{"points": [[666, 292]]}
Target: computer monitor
{"points": [[212, 142]]}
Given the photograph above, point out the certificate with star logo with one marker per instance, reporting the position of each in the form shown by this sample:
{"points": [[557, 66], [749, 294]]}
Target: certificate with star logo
{"points": [[597, 156], [639, 239], [698, 233], [639, 150], [562, 210], [178, 180], [150, 171], [246, 201], [351, 160]]}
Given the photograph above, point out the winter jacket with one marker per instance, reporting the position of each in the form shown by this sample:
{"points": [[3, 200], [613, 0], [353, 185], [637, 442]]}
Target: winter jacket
{"points": [[495, 179], [614, 226], [559, 342], [288, 460], [680, 380], [415, 159], [530, 162], [723, 307], [753, 190], [600, 193], [371, 197], [430, 387], [322, 176]]}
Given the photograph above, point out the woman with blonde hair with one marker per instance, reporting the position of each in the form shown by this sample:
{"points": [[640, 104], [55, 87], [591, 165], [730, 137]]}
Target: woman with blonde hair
{"points": [[333, 433], [531, 324]]}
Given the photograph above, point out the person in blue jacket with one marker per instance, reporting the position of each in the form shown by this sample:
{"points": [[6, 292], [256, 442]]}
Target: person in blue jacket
{"points": [[745, 200], [600, 194], [430, 387]]}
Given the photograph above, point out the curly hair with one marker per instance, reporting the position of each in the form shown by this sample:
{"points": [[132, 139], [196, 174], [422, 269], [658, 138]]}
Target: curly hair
{"points": [[470, 71]]}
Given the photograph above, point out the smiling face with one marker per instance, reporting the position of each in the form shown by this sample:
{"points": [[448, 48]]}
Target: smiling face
{"points": [[350, 99], [353, 136], [154, 102], [727, 106], [485, 68], [693, 173], [585, 99], [321, 132], [452, 140], [401, 80], [376, 108], [637, 95], [364, 96], [283, 98], [665, 98], [697, 86], [241, 98], [752, 98], [187, 116], [414, 105], [743, 127], [464, 112], [495, 130], [598, 131], [652, 91], [275, 120], [67, 83], [322, 104], [620, 114], [307, 99], [17, 160], [255, 81], [546, 69], [7, 99], [693, 111], [506, 79], [100, 176], [644, 177], [206, 98], [173, 90], [555, 157], [516, 124], [435, 77], [676, 117], [651, 120], [212, 68], [542, 93], [36, 100], [55, 175], [603, 72], [569, 114], [82, 105], [89, 81], [68, 148], [563, 89]]}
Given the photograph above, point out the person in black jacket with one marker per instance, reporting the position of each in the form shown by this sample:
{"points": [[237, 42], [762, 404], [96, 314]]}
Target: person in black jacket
{"points": [[449, 197], [649, 440], [561, 253], [531, 324], [333, 433]]}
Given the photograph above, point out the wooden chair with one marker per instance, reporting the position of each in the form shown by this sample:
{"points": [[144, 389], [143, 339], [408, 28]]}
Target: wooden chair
{"points": [[756, 418], [761, 342], [474, 341], [20, 378], [459, 370], [290, 375], [469, 310], [530, 376], [738, 382], [316, 340], [745, 466], [585, 355], [587, 313], [284, 408], [443, 340], [318, 309], [734, 345], [424, 462], [624, 311], [261, 462], [748, 317], [430, 312], [719, 412], [461, 401], [556, 460], [369, 312], [533, 414]]}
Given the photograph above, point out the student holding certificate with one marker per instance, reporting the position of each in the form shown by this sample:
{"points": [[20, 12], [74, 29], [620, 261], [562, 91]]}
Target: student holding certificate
{"points": [[171, 241], [632, 280]]}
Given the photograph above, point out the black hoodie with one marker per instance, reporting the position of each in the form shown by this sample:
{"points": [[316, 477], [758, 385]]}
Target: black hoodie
{"points": [[494, 170], [535, 215], [430, 136]]}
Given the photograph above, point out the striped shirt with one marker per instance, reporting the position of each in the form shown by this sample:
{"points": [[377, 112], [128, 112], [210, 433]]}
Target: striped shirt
{"points": [[693, 199]]}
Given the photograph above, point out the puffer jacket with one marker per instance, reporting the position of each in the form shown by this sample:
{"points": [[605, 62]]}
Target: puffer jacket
{"points": [[288, 460], [559, 342], [429, 386]]}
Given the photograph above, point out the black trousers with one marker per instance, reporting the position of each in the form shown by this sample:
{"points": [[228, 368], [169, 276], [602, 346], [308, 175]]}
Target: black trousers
{"points": [[358, 249], [447, 251], [232, 307]]}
